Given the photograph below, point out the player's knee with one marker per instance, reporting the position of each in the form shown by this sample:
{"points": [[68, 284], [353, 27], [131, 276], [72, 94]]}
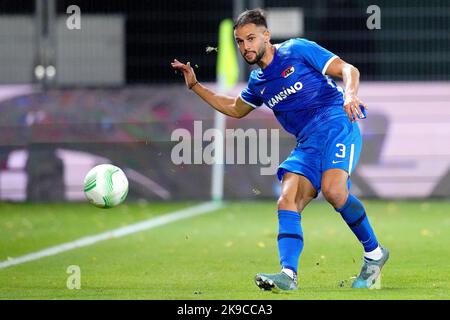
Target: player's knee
{"points": [[286, 202], [335, 196]]}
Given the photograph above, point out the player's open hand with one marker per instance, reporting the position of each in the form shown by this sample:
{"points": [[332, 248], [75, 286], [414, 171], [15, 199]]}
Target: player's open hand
{"points": [[188, 72], [352, 108]]}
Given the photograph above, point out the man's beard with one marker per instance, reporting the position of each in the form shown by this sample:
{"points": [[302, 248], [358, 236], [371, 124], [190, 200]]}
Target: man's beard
{"points": [[258, 57]]}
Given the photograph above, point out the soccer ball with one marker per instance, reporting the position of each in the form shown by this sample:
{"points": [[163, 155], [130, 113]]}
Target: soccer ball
{"points": [[106, 186]]}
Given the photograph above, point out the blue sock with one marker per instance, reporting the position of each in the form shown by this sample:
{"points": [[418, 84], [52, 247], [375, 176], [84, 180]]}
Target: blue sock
{"points": [[354, 215], [290, 238]]}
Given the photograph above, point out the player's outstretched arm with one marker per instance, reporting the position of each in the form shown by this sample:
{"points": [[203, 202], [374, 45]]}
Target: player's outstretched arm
{"points": [[350, 75], [230, 106]]}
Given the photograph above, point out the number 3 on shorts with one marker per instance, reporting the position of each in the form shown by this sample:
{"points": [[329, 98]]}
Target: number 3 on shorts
{"points": [[341, 150]]}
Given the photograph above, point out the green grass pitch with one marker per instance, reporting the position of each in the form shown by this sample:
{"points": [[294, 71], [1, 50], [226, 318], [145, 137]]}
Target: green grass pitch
{"points": [[215, 256]]}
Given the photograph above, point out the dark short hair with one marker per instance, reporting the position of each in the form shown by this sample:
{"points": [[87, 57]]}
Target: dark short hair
{"points": [[255, 16]]}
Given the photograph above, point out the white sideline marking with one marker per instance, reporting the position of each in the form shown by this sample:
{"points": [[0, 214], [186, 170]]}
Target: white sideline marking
{"points": [[116, 233]]}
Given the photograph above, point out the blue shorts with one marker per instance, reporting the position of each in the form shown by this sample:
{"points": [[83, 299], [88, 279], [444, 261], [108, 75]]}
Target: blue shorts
{"points": [[335, 144]]}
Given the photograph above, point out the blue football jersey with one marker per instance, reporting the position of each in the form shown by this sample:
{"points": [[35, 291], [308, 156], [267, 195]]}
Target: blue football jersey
{"points": [[295, 87]]}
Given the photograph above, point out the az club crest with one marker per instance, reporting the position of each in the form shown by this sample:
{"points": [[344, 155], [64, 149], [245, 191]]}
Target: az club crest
{"points": [[287, 72]]}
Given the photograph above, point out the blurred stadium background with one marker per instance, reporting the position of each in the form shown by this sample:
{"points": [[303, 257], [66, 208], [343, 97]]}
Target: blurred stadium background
{"points": [[71, 99]]}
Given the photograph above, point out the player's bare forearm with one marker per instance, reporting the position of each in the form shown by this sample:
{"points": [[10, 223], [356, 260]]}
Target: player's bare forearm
{"points": [[222, 103], [233, 107], [350, 75]]}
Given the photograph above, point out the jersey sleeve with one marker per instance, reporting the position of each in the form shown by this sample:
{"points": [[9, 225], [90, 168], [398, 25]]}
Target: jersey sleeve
{"points": [[315, 55], [249, 97]]}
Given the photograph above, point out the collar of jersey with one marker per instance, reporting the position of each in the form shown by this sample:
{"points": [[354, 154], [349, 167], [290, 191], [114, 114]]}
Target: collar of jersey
{"points": [[272, 64]]}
